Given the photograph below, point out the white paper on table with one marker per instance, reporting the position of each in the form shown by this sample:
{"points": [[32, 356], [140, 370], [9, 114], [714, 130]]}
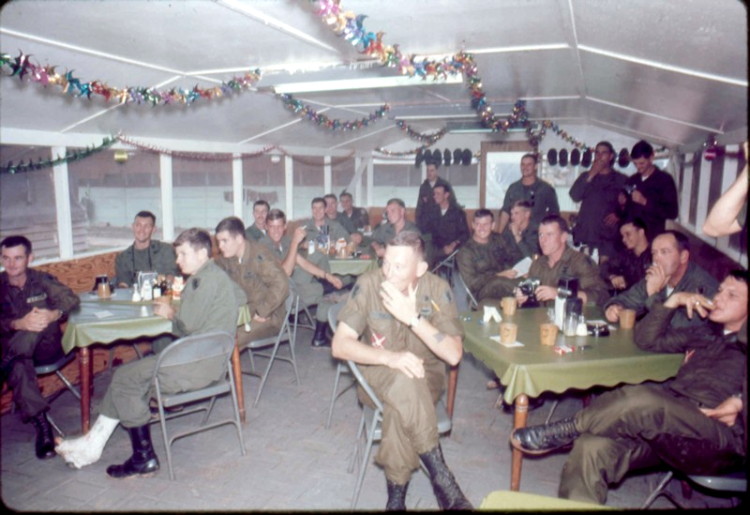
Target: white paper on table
{"points": [[514, 344], [522, 267], [491, 313], [104, 314]]}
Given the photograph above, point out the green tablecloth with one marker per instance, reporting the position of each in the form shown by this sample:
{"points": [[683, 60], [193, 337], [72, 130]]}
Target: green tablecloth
{"points": [[352, 266], [534, 368], [106, 320]]}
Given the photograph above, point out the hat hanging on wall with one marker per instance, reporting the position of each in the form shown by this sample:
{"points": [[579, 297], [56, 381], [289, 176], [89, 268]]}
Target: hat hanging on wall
{"points": [[563, 157], [586, 159], [419, 158], [466, 157], [457, 156], [437, 157], [552, 157], [575, 157], [623, 160], [447, 157]]}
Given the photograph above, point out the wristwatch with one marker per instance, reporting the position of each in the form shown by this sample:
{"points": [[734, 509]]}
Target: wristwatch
{"points": [[414, 321]]}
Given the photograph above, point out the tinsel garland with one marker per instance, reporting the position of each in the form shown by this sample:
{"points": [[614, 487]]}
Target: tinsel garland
{"points": [[22, 67], [305, 111], [41, 163], [429, 139]]}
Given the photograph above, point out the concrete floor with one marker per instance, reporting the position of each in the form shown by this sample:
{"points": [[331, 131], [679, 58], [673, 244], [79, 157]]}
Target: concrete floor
{"points": [[293, 462]]}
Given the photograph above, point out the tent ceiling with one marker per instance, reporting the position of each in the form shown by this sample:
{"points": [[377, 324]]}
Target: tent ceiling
{"points": [[672, 72]]}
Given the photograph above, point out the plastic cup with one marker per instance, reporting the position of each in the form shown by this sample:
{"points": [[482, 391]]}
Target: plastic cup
{"points": [[627, 318], [548, 333], [509, 305], [508, 333]]}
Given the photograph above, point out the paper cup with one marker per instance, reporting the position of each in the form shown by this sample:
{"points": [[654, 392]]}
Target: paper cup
{"points": [[508, 333], [509, 305], [627, 318], [548, 333]]}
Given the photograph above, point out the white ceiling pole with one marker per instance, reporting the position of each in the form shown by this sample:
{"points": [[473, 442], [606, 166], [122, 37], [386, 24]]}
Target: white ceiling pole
{"points": [[327, 183], [62, 205], [370, 181], [167, 197], [289, 182], [238, 188]]}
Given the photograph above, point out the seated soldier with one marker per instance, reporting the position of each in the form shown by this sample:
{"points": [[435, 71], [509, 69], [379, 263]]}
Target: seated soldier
{"points": [[559, 260], [395, 217], [306, 272], [449, 229], [689, 423], [33, 305], [254, 267], [629, 265], [145, 254], [671, 271], [408, 318], [357, 217], [258, 229], [486, 260], [320, 228], [520, 233], [209, 302]]}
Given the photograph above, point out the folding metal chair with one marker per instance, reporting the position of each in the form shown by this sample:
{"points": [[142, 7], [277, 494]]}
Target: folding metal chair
{"points": [[300, 307], [462, 289], [370, 428], [341, 367], [56, 368], [287, 334], [734, 481], [197, 349]]}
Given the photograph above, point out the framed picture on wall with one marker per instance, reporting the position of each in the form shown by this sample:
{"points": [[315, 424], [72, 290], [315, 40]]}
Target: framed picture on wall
{"points": [[501, 166]]}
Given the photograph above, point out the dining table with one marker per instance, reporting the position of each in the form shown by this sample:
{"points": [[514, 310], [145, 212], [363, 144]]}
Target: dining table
{"points": [[104, 321], [526, 368], [352, 265]]}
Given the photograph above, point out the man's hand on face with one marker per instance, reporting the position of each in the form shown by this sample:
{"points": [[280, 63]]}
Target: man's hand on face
{"points": [[402, 307], [656, 279]]}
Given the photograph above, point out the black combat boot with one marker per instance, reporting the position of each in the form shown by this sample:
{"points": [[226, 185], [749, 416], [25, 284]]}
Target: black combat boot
{"points": [[143, 461], [45, 443], [447, 491], [396, 496], [320, 338], [545, 437]]}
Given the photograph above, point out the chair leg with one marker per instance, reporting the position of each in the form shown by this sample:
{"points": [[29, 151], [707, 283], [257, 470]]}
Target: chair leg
{"points": [[363, 464], [264, 378], [54, 426], [69, 385], [659, 490], [333, 395]]}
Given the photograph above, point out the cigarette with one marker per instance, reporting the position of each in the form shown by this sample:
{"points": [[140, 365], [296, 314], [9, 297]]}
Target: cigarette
{"points": [[437, 308]]}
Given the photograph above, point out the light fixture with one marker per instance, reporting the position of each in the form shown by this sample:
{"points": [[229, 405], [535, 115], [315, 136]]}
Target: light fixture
{"points": [[121, 156], [369, 83]]}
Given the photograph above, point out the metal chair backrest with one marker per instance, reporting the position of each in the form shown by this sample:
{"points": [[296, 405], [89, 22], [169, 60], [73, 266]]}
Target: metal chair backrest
{"points": [[463, 287], [196, 348], [333, 315], [365, 385]]}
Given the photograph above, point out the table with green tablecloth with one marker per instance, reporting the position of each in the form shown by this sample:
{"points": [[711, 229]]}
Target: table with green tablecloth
{"points": [[532, 369], [351, 266], [104, 321]]}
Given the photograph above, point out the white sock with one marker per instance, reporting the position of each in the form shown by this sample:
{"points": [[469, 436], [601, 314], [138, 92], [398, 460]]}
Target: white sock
{"points": [[87, 449]]}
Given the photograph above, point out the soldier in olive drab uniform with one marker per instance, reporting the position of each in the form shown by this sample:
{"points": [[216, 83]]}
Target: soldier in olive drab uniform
{"points": [[260, 214], [210, 302], [395, 212], [559, 260], [145, 254], [33, 304], [407, 320], [486, 260], [695, 423], [256, 270], [520, 233], [320, 227], [307, 273]]}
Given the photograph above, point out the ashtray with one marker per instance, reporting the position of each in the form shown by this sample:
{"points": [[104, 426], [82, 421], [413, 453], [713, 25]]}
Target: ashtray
{"points": [[597, 328]]}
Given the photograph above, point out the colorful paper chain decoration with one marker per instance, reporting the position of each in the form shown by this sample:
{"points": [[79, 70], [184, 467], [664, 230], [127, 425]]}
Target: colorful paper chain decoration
{"points": [[305, 111], [193, 156], [22, 67], [40, 163]]}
